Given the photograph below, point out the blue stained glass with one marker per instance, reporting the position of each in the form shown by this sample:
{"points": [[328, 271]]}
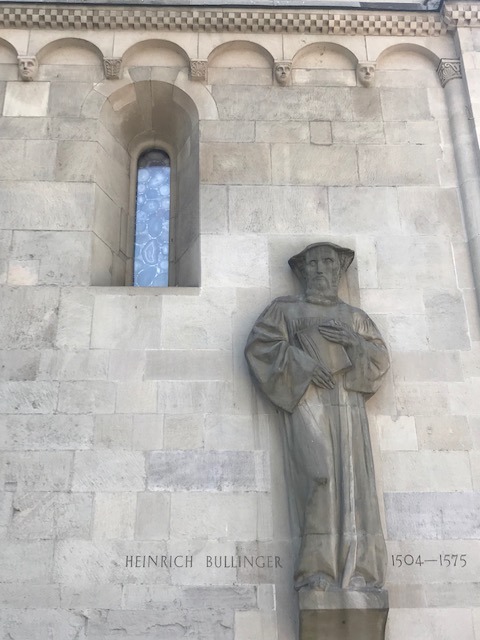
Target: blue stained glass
{"points": [[152, 221]]}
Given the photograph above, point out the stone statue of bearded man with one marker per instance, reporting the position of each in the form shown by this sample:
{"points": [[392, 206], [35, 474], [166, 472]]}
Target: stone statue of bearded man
{"points": [[318, 359]]}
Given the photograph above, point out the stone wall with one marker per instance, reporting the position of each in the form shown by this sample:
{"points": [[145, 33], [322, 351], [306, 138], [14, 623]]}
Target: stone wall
{"points": [[130, 428]]}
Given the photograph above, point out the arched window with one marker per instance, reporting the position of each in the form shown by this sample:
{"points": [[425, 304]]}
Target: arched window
{"points": [[152, 255]]}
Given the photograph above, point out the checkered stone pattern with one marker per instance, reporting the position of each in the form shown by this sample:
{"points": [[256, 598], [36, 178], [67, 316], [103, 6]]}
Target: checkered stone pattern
{"points": [[328, 22], [461, 14]]}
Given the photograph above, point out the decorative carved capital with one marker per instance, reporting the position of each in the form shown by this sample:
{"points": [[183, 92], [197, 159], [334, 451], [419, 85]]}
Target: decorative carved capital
{"points": [[112, 67], [448, 69], [198, 70], [366, 73], [27, 68], [283, 72]]}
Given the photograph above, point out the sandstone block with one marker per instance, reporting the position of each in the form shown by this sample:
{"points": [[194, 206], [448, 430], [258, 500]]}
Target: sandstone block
{"points": [[153, 516], [127, 365], [314, 164], [406, 263], [109, 471], [397, 434], [407, 333], [190, 396], [28, 397], [73, 365], [113, 431], [23, 272], [229, 432], [235, 163], [427, 366], [58, 206], [17, 623], [363, 209], [213, 209], [255, 625], [432, 515], [26, 99], [228, 131], [75, 161], [125, 321], [96, 596], [205, 319], [136, 397], [183, 431], [114, 515], [222, 516], [51, 515], [184, 365], [405, 104], [207, 471], [446, 320], [29, 317], [27, 562], [358, 133], [147, 432], [423, 398], [236, 254], [25, 595], [398, 165], [366, 105], [448, 433], [19, 364], [67, 98], [424, 132], [38, 470], [287, 132], [269, 209], [49, 432], [430, 471], [320, 132], [75, 319], [86, 397]]}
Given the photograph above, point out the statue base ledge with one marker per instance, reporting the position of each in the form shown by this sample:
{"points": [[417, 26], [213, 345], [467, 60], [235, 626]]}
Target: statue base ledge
{"points": [[343, 615]]}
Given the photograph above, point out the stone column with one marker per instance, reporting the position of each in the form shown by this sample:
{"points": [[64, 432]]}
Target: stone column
{"points": [[467, 156]]}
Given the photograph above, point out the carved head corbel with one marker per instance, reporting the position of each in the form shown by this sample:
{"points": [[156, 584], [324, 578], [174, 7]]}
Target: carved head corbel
{"points": [[27, 68], [283, 72], [366, 73]]}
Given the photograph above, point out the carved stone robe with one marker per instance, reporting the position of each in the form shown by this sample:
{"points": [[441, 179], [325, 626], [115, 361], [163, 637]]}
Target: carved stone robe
{"points": [[329, 459]]}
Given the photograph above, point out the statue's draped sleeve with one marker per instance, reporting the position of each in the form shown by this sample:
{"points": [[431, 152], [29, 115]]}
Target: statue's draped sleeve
{"points": [[281, 370], [369, 356]]}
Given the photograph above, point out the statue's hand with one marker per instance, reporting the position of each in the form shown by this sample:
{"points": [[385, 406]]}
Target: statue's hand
{"points": [[339, 332], [322, 377]]}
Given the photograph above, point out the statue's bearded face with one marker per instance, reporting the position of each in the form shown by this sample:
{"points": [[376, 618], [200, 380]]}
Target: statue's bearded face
{"points": [[322, 271]]}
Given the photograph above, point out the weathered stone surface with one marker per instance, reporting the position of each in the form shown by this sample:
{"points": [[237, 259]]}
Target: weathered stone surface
{"points": [[288, 131], [446, 320], [38, 470], [24, 624], [75, 319], [427, 366], [67, 98], [183, 431], [397, 434], [405, 104], [278, 209], [363, 209], [136, 397], [26, 595], [207, 471], [399, 165], [28, 397], [229, 432], [26, 99], [433, 516], [86, 397], [255, 625], [228, 131], [28, 318], [16, 364], [214, 516], [73, 365], [235, 163], [125, 321], [314, 164], [153, 516], [424, 132], [47, 432], [185, 365], [106, 470], [358, 133], [51, 515], [114, 516], [28, 562], [444, 433], [236, 254], [430, 623], [425, 471]]}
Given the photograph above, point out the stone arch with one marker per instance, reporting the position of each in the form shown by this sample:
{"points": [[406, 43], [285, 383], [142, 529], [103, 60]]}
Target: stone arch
{"points": [[407, 65], [155, 53], [70, 51], [410, 51], [8, 53], [137, 116], [253, 64], [324, 63]]}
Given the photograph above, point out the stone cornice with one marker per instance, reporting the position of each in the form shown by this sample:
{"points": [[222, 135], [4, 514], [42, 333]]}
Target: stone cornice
{"points": [[461, 14], [327, 22]]}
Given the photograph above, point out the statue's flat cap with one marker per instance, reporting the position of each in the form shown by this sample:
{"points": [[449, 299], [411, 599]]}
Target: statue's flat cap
{"points": [[297, 261]]}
